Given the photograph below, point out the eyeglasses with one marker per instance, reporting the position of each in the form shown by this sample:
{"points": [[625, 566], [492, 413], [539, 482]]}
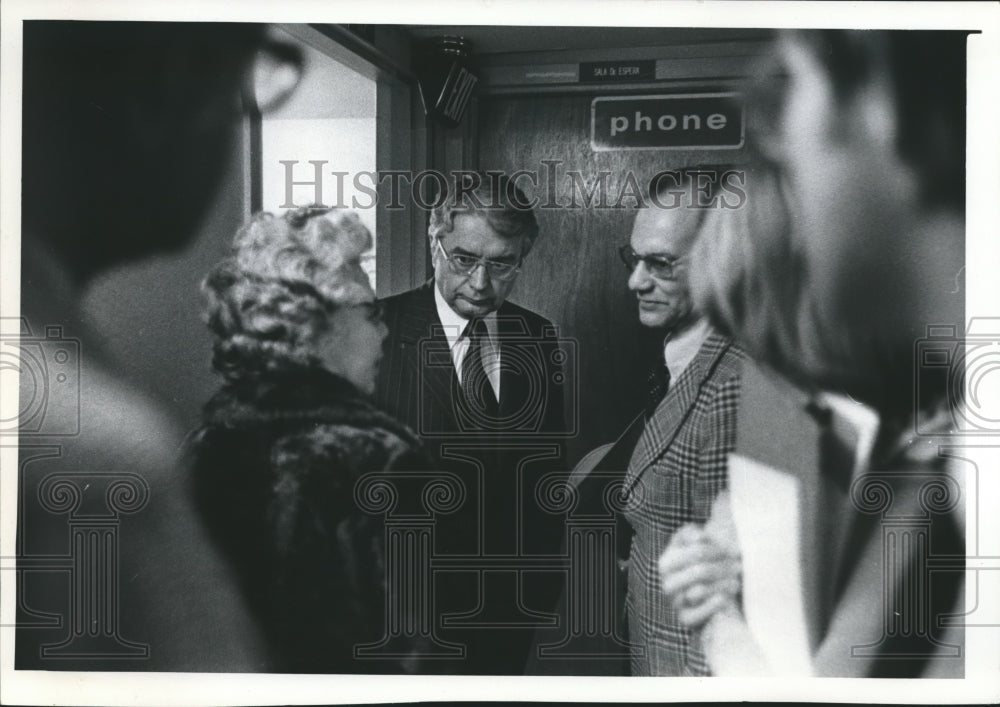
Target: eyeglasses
{"points": [[462, 264], [659, 266]]}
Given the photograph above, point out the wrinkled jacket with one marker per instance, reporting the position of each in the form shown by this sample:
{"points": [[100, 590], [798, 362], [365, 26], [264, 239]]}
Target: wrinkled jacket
{"points": [[274, 467]]}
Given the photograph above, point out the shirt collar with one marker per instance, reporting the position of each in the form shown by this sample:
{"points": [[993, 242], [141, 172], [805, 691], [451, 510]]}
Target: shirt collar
{"points": [[854, 423], [680, 349], [454, 324], [861, 425]]}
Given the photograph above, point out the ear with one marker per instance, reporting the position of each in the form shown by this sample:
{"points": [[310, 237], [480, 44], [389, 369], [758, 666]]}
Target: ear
{"points": [[874, 114], [435, 251]]}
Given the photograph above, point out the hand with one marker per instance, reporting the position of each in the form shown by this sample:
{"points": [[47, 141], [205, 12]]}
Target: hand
{"points": [[699, 576]]}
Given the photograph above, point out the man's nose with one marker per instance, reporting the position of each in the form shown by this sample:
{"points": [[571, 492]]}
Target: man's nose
{"points": [[640, 279], [479, 278]]}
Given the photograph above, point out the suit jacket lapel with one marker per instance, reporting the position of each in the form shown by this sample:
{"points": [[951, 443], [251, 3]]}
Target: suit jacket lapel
{"points": [[671, 413]]}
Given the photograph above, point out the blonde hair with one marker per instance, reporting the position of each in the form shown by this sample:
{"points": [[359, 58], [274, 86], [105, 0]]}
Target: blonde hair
{"points": [[269, 300], [747, 277], [752, 281]]}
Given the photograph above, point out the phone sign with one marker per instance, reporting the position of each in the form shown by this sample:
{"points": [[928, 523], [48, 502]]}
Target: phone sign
{"points": [[707, 121]]}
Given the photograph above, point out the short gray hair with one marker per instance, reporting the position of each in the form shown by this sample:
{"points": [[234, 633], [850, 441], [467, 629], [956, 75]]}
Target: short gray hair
{"points": [[496, 198]]}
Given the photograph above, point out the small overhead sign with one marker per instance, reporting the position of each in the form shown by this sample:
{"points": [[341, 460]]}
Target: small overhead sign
{"points": [[707, 121], [617, 71]]}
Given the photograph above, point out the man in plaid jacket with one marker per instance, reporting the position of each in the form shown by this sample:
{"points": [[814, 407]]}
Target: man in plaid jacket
{"points": [[678, 465]]}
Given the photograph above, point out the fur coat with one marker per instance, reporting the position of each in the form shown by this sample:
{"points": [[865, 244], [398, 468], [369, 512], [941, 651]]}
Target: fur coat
{"points": [[274, 467]]}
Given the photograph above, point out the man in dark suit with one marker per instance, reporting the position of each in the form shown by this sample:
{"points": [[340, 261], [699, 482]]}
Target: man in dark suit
{"points": [[481, 381]]}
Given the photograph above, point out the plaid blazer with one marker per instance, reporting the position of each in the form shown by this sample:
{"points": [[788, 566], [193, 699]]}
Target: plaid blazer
{"points": [[676, 470]]}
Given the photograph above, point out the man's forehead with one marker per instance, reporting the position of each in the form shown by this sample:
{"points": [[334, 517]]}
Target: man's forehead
{"points": [[666, 230], [472, 231]]}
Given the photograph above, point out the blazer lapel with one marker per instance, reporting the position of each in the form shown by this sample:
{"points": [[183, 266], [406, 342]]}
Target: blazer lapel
{"points": [[663, 426]]}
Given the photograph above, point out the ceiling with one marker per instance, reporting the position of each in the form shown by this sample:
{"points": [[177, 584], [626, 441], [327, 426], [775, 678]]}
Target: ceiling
{"points": [[500, 39]]}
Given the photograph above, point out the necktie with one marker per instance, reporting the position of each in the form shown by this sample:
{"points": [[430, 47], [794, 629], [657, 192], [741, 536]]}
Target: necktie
{"points": [[658, 382], [837, 443], [475, 382], [836, 456]]}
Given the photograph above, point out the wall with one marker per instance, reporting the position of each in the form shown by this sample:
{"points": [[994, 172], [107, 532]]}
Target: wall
{"points": [[574, 275]]}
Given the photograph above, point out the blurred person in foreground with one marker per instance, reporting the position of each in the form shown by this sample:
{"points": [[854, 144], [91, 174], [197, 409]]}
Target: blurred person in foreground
{"points": [[850, 247], [126, 133], [298, 342]]}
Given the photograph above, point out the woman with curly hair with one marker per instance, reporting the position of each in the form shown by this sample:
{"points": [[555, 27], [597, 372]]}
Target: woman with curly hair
{"points": [[298, 343]]}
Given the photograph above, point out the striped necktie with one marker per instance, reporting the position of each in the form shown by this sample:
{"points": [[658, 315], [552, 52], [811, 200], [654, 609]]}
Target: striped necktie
{"points": [[475, 382]]}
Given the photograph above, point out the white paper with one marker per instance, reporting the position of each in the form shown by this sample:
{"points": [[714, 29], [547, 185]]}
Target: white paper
{"points": [[765, 504]]}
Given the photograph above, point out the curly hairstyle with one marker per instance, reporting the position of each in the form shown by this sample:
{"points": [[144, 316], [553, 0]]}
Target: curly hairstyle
{"points": [[269, 301]]}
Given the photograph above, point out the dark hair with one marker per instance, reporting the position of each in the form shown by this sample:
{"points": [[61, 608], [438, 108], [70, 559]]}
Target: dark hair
{"points": [[927, 70], [126, 132], [496, 198]]}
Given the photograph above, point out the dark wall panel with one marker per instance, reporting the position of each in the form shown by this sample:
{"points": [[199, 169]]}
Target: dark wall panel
{"points": [[574, 276]]}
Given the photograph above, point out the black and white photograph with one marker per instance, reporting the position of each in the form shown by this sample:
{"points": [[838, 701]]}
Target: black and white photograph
{"points": [[499, 351]]}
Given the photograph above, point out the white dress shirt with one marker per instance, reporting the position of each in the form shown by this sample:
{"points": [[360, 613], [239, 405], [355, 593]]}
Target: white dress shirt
{"points": [[679, 350], [458, 340]]}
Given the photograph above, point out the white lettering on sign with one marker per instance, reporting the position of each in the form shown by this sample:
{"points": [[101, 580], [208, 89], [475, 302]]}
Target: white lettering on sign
{"points": [[607, 71], [709, 121], [716, 121], [666, 122]]}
